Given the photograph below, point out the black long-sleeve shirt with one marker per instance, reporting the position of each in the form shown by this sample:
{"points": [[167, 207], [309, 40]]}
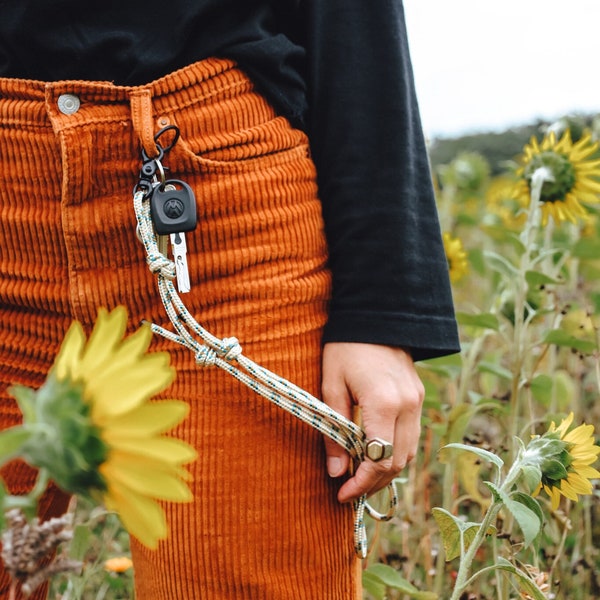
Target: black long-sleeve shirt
{"points": [[341, 70]]}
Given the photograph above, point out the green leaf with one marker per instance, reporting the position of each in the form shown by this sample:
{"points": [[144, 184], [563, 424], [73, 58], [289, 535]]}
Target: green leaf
{"points": [[500, 264], [562, 338], [11, 441], [81, 542], [391, 578], [373, 585], [595, 298], [541, 388], [587, 248], [26, 399], [555, 470], [532, 476], [476, 260], [531, 503], [448, 366], [524, 582], [526, 518], [485, 454], [452, 530], [535, 279], [3, 495], [458, 420], [494, 369], [483, 320]]}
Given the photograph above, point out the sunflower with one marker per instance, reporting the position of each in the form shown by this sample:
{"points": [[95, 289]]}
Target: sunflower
{"points": [[502, 204], [569, 472], [574, 175], [456, 257], [101, 435]]}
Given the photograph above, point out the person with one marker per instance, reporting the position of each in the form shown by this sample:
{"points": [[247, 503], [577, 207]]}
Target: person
{"points": [[317, 246]]}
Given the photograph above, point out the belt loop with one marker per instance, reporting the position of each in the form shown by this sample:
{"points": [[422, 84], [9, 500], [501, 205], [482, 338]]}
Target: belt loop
{"points": [[143, 124]]}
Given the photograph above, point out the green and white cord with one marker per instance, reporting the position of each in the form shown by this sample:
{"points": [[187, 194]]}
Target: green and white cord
{"points": [[227, 354]]}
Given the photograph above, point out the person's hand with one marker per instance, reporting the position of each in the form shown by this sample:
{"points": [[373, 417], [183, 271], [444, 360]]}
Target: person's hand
{"points": [[383, 383]]}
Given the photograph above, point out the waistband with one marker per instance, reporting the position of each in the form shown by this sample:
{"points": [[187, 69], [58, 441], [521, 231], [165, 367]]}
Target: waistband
{"points": [[32, 101], [201, 72]]}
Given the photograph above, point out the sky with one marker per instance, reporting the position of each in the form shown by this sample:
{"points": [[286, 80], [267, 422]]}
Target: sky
{"points": [[485, 65]]}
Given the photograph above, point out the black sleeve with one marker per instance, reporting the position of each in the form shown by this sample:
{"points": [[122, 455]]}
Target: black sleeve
{"points": [[390, 274]]}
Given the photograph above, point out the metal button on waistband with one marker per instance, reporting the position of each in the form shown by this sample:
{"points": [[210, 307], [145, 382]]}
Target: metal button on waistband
{"points": [[68, 104]]}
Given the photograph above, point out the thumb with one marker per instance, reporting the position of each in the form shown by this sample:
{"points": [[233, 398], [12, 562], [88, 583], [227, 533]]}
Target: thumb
{"points": [[336, 396]]}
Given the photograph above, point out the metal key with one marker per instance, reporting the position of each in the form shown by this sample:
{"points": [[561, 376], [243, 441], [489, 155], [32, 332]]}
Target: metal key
{"points": [[180, 260]]}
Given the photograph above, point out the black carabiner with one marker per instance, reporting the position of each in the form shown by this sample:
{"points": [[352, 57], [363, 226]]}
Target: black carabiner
{"points": [[157, 137]]}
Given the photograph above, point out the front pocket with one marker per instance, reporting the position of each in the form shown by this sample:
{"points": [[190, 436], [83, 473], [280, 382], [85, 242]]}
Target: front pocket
{"points": [[235, 134]]}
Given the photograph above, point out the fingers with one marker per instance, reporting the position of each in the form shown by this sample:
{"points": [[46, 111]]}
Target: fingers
{"points": [[384, 383], [335, 394], [399, 424]]}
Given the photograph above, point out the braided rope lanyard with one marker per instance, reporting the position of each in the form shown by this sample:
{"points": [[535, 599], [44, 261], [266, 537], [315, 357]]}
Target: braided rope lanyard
{"points": [[227, 354]]}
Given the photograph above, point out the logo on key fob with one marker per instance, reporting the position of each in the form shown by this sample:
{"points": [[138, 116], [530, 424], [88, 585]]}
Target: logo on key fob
{"points": [[173, 207]]}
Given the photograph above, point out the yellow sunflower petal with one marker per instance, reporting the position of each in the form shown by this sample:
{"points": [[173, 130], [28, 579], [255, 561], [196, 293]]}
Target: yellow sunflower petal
{"points": [[149, 419], [564, 425], [585, 453], [131, 386], [592, 186], [164, 449], [162, 484], [578, 484], [554, 494], [142, 517], [134, 346], [567, 490], [107, 333], [67, 360], [586, 471]]}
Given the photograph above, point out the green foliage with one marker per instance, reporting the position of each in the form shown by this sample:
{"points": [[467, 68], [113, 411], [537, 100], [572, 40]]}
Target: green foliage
{"points": [[524, 582], [379, 578], [529, 316], [98, 536], [457, 535], [527, 518]]}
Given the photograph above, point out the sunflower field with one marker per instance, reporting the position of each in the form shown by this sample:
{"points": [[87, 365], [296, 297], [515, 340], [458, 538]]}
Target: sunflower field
{"points": [[501, 502]]}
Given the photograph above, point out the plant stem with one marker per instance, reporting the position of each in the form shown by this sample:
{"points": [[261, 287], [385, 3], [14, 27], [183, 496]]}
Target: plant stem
{"points": [[528, 237], [462, 580], [467, 558]]}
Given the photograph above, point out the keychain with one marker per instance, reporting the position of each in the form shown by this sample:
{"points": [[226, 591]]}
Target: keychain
{"points": [[172, 206]]}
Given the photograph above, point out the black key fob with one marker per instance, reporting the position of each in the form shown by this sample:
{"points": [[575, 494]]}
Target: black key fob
{"points": [[173, 207]]}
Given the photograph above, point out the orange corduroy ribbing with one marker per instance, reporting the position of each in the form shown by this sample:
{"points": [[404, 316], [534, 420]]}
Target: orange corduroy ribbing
{"points": [[265, 523]]}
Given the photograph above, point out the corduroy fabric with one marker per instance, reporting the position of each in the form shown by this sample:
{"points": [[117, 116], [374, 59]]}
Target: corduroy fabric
{"points": [[265, 523]]}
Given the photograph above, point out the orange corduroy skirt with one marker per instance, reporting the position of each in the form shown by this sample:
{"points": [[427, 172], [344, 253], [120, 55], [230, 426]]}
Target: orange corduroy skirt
{"points": [[265, 522]]}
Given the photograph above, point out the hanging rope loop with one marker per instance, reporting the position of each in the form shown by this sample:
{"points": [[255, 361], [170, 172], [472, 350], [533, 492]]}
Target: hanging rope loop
{"points": [[227, 354]]}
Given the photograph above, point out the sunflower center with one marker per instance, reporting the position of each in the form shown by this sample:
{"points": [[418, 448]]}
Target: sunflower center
{"points": [[562, 169]]}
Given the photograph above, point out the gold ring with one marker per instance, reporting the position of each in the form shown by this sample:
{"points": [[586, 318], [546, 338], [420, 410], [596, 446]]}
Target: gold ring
{"points": [[377, 449]]}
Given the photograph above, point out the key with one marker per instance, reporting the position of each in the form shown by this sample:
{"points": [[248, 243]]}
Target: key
{"points": [[180, 260], [173, 207]]}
